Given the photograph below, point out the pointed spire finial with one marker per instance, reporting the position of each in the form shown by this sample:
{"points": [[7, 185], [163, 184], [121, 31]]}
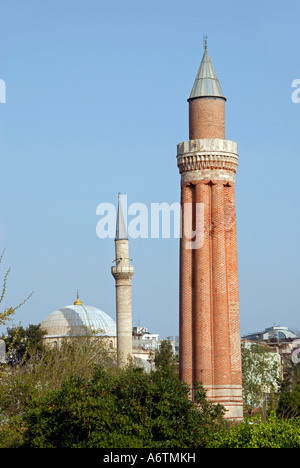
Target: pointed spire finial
{"points": [[78, 301], [205, 42]]}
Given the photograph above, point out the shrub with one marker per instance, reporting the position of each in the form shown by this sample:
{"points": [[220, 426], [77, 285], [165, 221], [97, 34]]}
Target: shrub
{"points": [[289, 404], [128, 409], [274, 433], [11, 433]]}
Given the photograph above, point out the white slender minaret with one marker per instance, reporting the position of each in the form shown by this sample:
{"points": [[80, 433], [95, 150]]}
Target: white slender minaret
{"points": [[123, 272]]}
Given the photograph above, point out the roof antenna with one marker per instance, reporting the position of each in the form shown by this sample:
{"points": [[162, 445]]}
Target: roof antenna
{"points": [[205, 42]]}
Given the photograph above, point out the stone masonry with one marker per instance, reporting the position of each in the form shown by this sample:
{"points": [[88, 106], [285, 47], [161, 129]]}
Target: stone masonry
{"points": [[123, 272]]}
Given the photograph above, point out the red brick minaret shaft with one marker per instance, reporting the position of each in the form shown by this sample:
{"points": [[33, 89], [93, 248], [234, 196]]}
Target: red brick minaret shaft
{"points": [[209, 298]]}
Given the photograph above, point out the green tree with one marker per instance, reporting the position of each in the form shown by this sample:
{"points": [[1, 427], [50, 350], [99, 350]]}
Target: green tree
{"points": [[289, 404], [43, 372], [261, 372], [23, 343], [124, 409], [292, 375], [164, 358], [48, 369], [254, 433]]}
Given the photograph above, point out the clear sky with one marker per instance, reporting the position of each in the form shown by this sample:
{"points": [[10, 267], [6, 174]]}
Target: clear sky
{"points": [[96, 103]]}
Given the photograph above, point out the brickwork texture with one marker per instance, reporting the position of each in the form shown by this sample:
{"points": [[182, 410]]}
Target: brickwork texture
{"points": [[210, 350]]}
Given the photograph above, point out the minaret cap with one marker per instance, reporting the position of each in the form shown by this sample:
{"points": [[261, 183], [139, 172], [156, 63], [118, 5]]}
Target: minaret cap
{"points": [[206, 83], [121, 231]]}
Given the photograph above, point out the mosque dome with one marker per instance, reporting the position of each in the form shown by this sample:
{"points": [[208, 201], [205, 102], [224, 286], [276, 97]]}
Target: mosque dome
{"points": [[78, 320]]}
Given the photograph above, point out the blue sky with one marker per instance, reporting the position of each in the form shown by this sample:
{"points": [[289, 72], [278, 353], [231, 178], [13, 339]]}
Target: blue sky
{"points": [[96, 104]]}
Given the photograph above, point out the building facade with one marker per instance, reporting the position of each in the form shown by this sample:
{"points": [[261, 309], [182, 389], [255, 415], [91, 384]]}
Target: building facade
{"points": [[209, 349]]}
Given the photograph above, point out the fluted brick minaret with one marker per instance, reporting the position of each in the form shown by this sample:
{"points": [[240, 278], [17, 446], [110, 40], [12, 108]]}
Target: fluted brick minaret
{"points": [[209, 295], [123, 272]]}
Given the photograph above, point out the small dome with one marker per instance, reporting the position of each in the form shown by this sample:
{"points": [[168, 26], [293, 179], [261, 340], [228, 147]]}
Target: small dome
{"points": [[78, 320]]}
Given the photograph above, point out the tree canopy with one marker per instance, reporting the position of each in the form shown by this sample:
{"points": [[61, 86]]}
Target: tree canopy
{"points": [[129, 409]]}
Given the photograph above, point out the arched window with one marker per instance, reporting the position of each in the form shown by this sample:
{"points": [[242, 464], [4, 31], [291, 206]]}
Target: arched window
{"points": [[281, 336]]}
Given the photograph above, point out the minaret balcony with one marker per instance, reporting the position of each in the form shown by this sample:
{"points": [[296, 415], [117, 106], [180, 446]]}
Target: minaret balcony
{"points": [[122, 271], [206, 159]]}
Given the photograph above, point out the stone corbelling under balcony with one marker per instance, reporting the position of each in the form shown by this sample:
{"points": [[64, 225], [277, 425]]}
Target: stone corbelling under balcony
{"points": [[205, 159]]}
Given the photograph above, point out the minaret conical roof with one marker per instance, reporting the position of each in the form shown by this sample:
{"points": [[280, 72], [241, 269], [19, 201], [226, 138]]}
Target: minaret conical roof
{"points": [[121, 231], [206, 83]]}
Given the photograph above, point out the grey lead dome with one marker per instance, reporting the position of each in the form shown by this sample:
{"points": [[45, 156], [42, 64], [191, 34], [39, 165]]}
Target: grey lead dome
{"points": [[78, 320]]}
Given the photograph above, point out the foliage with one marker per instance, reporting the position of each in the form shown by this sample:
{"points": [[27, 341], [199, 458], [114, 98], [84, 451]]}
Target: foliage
{"points": [[164, 358], [125, 409], [11, 433], [253, 433], [22, 343], [261, 370], [289, 392], [48, 369], [76, 397], [289, 404], [292, 375], [7, 313]]}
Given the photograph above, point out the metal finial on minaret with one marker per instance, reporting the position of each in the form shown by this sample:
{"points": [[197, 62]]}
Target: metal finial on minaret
{"points": [[205, 42]]}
